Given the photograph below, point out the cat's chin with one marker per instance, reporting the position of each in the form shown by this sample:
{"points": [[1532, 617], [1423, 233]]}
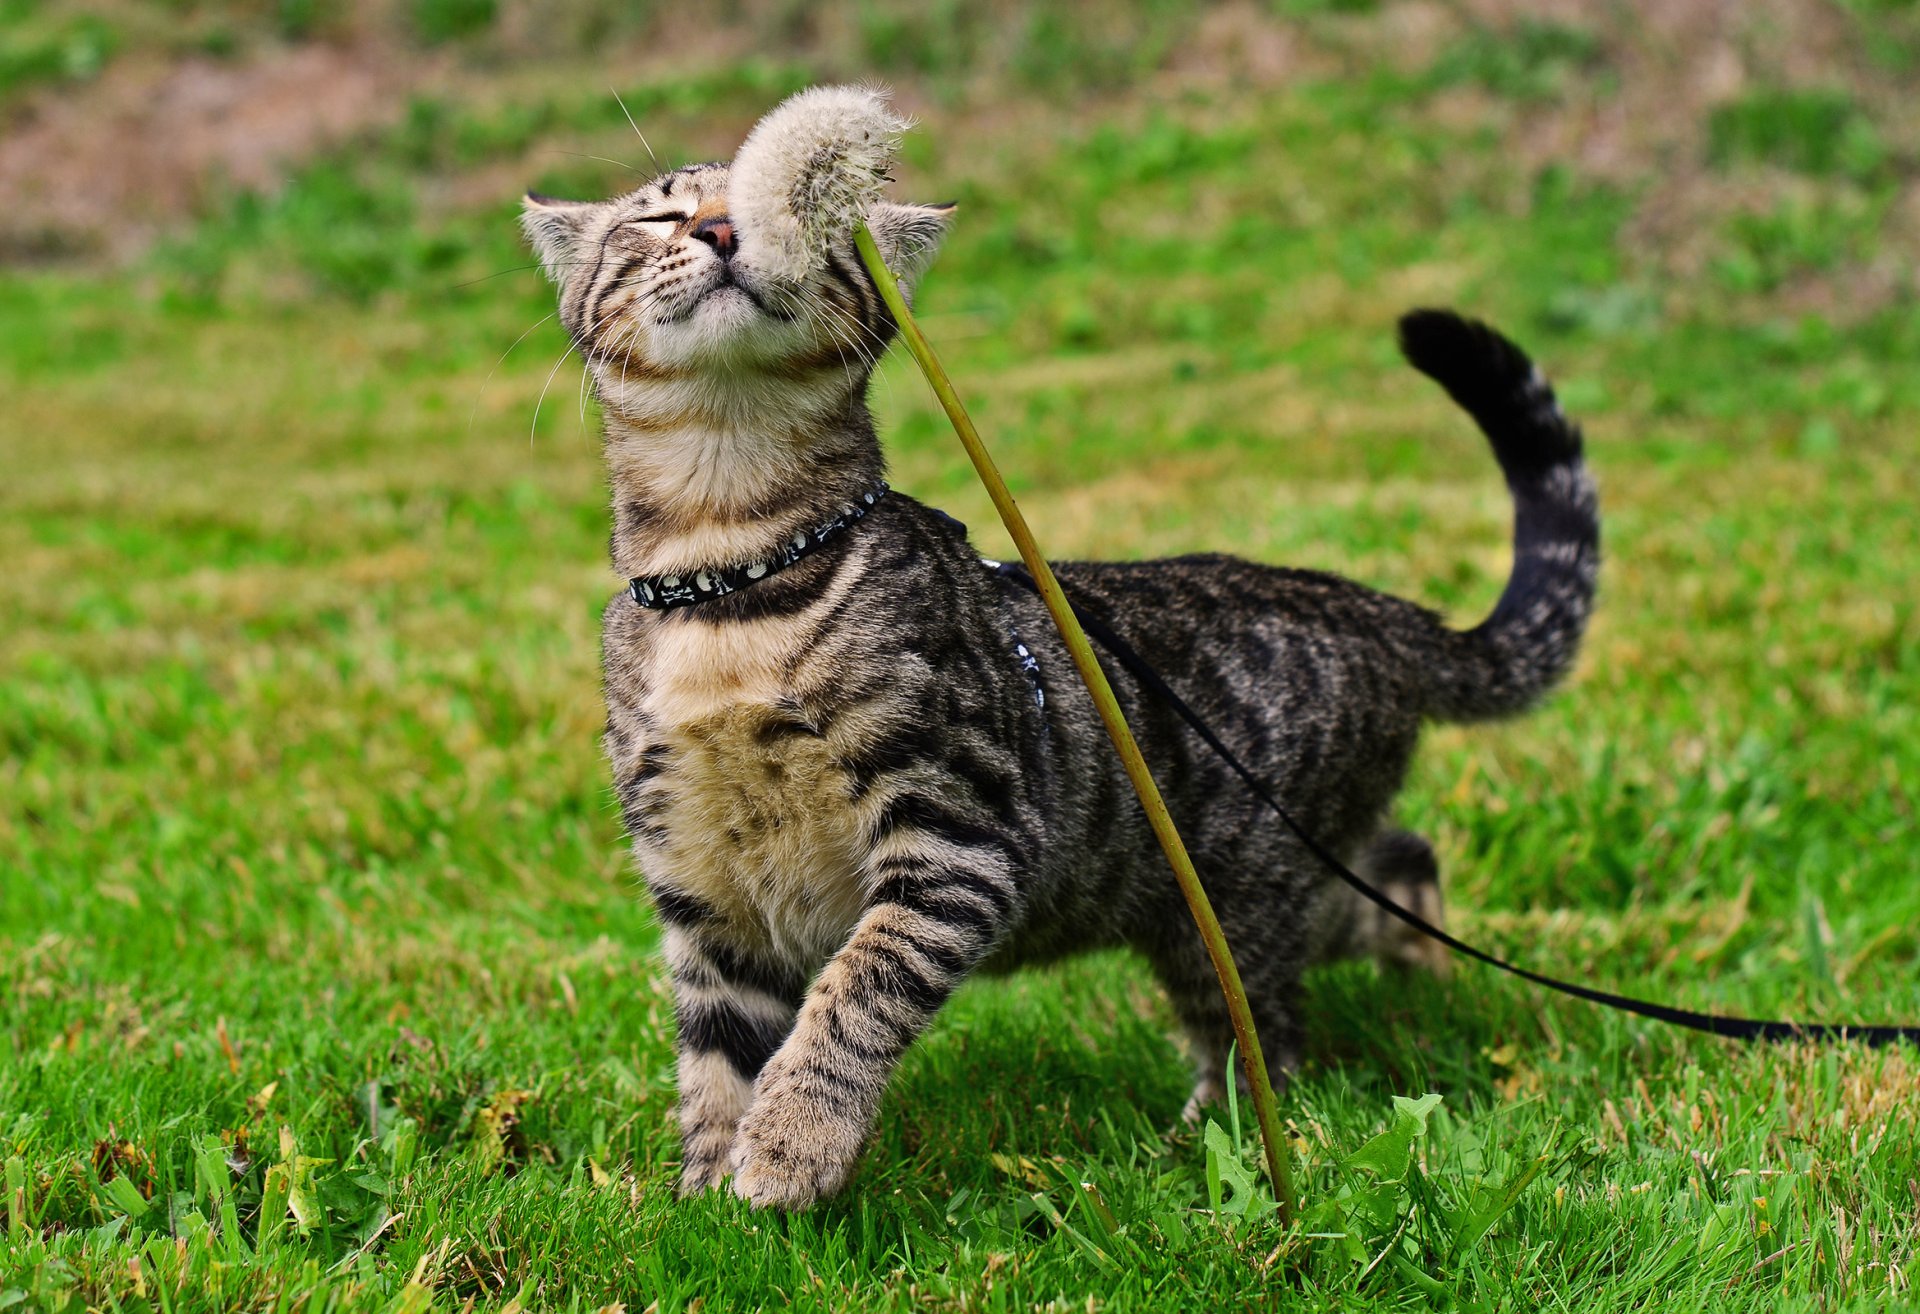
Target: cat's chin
{"points": [[726, 317], [725, 329]]}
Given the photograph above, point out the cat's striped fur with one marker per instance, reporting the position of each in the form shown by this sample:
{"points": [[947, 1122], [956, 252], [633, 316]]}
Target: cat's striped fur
{"points": [[842, 791]]}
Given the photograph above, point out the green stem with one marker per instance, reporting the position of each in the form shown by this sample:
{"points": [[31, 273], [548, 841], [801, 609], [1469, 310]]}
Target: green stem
{"points": [[1266, 1108]]}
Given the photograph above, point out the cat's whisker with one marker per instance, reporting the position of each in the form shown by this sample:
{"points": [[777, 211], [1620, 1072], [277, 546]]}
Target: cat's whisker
{"points": [[618, 164], [502, 273], [841, 347], [586, 335], [835, 317], [518, 269], [473, 412], [580, 400], [533, 428], [858, 327], [846, 366], [635, 126]]}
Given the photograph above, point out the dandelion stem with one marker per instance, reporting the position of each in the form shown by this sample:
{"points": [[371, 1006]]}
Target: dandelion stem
{"points": [[1266, 1109]]}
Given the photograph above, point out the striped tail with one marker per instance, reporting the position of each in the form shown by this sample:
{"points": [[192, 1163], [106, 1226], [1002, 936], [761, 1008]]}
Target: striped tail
{"points": [[1508, 661]]}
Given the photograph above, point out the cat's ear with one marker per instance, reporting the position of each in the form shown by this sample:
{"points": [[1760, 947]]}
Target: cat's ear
{"points": [[909, 236], [553, 228]]}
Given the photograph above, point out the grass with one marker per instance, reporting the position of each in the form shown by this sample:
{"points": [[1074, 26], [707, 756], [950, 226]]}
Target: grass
{"points": [[326, 980], [36, 48]]}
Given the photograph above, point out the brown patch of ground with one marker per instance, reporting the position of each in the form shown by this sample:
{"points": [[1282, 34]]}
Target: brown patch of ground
{"points": [[105, 168], [1241, 45], [1638, 117]]}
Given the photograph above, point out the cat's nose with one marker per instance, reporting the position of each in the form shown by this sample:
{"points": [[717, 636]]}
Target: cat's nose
{"points": [[718, 234]]}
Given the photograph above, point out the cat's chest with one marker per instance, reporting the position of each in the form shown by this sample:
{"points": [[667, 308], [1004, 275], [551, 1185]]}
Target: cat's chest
{"points": [[746, 805]]}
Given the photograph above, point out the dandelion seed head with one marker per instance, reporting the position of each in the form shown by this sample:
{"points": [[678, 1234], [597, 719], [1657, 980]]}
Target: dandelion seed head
{"points": [[809, 172]]}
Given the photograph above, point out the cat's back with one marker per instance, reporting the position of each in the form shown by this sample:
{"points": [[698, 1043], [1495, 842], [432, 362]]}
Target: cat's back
{"points": [[1316, 677], [1212, 612]]}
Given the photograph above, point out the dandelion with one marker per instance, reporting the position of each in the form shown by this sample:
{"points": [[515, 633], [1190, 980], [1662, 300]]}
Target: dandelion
{"points": [[810, 172]]}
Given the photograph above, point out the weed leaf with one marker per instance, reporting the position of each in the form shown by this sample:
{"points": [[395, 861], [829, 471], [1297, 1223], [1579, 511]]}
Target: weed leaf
{"points": [[1226, 1169]]}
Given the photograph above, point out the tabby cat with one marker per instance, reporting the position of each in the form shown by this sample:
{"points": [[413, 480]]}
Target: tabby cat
{"points": [[856, 763]]}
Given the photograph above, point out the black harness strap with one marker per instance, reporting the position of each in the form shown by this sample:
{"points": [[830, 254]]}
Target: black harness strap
{"points": [[1739, 1028]]}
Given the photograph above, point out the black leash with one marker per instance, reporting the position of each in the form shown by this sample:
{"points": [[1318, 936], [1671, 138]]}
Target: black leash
{"points": [[1739, 1028]]}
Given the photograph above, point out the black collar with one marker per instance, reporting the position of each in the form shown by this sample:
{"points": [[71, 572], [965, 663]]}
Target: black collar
{"points": [[666, 592]]}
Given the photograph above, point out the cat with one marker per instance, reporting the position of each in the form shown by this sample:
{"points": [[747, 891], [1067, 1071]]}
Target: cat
{"points": [[857, 765]]}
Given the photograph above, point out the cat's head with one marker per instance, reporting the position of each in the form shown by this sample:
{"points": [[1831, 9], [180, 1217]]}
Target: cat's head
{"points": [[659, 282]]}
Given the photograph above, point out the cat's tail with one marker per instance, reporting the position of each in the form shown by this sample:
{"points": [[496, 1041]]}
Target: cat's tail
{"points": [[1518, 653]]}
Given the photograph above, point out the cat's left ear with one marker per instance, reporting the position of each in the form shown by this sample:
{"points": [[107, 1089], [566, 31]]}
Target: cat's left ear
{"points": [[554, 228], [909, 236]]}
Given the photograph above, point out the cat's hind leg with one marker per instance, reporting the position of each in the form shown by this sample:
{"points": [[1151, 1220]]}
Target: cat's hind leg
{"points": [[1341, 924], [1402, 866], [1187, 973]]}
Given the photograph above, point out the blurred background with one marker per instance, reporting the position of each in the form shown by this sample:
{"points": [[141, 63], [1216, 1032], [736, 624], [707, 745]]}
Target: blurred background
{"points": [[302, 523]]}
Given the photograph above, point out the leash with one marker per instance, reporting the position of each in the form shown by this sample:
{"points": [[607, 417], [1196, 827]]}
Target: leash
{"points": [[1737, 1028]]}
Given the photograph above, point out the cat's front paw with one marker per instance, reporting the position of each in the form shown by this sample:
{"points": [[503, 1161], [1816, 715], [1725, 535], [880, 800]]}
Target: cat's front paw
{"points": [[707, 1136], [697, 1175], [792, 1150]]}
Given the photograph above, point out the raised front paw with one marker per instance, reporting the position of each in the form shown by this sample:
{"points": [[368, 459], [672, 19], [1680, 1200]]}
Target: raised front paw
{"points": [[793, 1150]]}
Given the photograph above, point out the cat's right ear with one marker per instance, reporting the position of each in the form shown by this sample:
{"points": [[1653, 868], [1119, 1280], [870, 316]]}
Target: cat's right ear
{"points": [[553, 228]]}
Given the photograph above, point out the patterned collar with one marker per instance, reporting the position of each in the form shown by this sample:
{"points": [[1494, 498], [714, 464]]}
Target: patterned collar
{"points": [[667, 592]]}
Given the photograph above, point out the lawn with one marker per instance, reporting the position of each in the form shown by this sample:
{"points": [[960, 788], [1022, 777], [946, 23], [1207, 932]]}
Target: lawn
{"points": [[326, 981]]}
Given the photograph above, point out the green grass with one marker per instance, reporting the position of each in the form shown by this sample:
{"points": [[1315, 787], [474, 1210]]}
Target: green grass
{"points": [[1817, 132], [38, 47], [327, 983]]}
